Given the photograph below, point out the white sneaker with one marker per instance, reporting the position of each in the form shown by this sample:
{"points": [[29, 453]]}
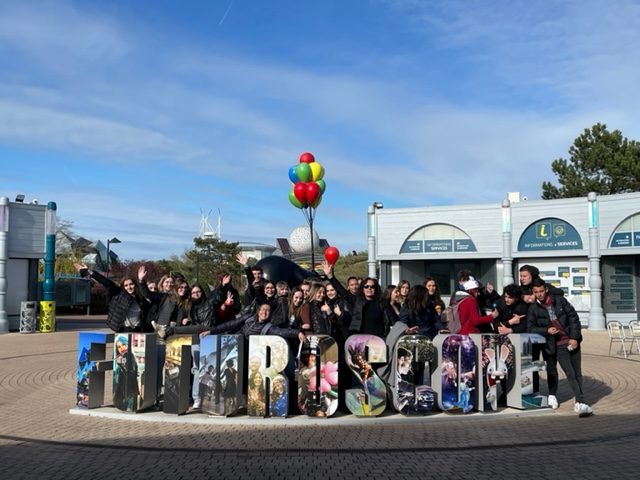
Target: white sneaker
{"points": [[583, 410], [196, 404], [552, 401]]}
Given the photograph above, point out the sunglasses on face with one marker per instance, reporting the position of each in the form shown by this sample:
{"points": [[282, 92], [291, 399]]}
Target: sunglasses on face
{"points": [[369, 286]]}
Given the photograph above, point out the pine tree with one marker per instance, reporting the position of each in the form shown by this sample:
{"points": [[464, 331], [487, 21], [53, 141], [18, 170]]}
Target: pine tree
{"points": [[601, 161]]}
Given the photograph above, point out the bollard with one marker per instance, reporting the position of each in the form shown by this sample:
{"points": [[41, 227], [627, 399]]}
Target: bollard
{"points": [[28, 318], [47, 316]]}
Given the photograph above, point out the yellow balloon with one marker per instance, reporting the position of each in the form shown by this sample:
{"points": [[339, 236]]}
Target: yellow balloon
{"points": [[317, 171]]}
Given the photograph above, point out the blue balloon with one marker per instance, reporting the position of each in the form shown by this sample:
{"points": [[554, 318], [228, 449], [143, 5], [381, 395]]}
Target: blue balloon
{"points": [[293, 176]]}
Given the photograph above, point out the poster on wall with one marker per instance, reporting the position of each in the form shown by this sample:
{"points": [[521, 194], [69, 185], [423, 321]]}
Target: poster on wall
{"points": [[571, 275], [621, 288]]}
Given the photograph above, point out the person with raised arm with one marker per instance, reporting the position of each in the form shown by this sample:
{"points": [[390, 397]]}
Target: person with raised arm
{"points": [[127, 307], [367, 311]]}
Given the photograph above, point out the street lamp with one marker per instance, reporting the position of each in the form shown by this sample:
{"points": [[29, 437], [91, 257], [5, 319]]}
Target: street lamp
{"points": [[109, 242], [4, 231]]}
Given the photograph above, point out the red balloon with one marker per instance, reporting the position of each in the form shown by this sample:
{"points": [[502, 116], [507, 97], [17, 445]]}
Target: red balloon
{"points": [[313, 190], [307, 157], [331, 254], [300, 191]]}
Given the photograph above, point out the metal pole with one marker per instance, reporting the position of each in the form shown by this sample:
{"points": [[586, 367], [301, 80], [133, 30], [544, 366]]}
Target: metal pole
{"points": [[48, 303], [371, 241], [4, 233], [372, 227], [507, 255], [49, 284], [596, 314], [313, 256]]}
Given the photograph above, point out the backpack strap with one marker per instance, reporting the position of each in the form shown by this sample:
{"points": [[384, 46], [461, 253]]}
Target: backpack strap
{"points": [[266, 328]]}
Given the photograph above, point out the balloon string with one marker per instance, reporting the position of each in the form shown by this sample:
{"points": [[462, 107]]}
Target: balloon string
{"points": [[309, 214]]}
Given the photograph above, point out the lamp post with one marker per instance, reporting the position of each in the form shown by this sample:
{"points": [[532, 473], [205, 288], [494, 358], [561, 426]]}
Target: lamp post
{"points": [[109, 242], [4, 231], [371, 240]]}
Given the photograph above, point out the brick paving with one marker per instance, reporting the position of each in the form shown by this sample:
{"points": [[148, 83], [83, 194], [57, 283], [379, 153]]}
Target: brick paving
{"points": [[39, 438]]}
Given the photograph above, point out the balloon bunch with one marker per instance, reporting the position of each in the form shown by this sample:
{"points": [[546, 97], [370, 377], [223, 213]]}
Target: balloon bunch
{"points": [[308, 185], [328, 379], [307, 191]]}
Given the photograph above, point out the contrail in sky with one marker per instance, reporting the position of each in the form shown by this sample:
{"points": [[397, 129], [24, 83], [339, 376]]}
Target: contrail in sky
{"points": [[227, 12]]}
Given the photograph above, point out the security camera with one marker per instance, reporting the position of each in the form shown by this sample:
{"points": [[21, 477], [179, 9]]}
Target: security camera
{"points": [[525, 198], [35, 201]]}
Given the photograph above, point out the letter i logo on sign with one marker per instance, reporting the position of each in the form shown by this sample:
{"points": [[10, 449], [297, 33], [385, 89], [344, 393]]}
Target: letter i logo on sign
{"points": [[543, 230]]}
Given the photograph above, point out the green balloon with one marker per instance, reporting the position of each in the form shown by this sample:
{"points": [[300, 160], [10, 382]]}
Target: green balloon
{"points": [[303, 170], [294, 201], [322, 185]]}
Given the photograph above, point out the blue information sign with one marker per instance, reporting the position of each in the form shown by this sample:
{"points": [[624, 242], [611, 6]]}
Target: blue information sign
{"points": [[621, 239], [438, 245], [464, 246], [550, 234], [412, 246]]}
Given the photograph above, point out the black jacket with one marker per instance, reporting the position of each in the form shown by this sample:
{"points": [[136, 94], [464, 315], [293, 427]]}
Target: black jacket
{"points": [[357, 305], [320, 323], [202, 313], [506, 313], [426, 320], [120, 303], [538, 321]]}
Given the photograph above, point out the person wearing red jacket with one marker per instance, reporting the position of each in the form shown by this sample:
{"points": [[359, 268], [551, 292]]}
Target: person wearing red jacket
{"points": [[469, 311]]}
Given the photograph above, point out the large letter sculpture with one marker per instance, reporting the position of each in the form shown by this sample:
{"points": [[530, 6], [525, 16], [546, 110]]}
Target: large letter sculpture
{"points": [[177, 371], [318, 387], [370, 399], [455, 379], [267, 387], [220, 376], [495, 358], [521, 395], [414, 358], [134, 371], [92, 363]]}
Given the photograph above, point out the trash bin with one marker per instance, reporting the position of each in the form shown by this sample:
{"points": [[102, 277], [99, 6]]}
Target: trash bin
{"points": [[28, 318], [47, 316]]}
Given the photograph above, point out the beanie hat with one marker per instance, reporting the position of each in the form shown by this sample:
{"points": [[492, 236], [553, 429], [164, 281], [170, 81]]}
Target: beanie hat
{"points": [[535, 273]]}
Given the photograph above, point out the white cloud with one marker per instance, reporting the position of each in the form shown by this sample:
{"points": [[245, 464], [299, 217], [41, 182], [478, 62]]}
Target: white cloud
{"points": [[215, 127]]}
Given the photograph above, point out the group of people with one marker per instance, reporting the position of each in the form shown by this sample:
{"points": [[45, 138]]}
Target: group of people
{"points": [[326, 307]]}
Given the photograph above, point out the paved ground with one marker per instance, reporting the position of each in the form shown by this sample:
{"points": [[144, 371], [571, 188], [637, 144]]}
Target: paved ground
{"points": [[39, 438]]}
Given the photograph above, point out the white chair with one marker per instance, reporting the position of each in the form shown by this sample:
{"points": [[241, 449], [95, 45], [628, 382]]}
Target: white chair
{"points": [[634, 336], [616, 334]]}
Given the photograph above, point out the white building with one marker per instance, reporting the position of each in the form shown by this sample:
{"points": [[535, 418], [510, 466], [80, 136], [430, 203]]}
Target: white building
{"points": [[589, 247]]}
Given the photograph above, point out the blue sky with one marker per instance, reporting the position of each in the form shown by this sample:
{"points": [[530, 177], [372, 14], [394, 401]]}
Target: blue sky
{"points": [[134, 116]]}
